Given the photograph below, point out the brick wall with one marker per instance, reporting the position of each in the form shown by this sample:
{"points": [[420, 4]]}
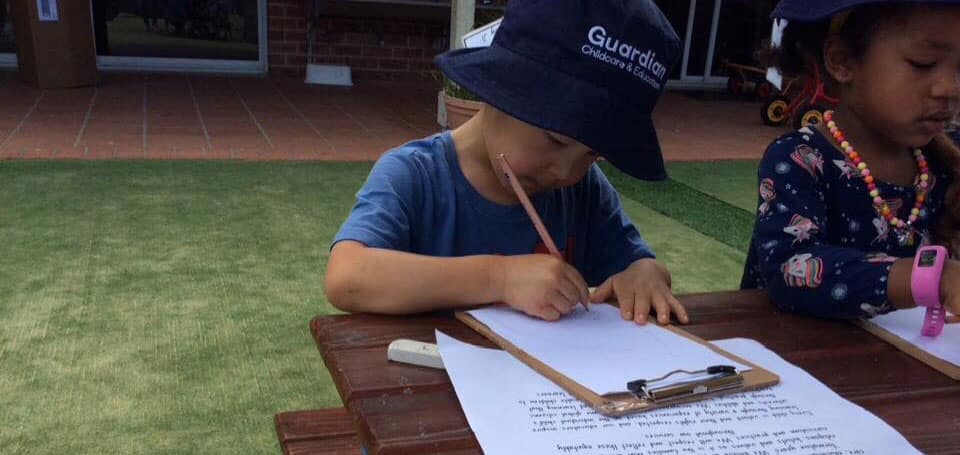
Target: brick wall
{"points": [[380, 49], [286, 36], [375, 48]]}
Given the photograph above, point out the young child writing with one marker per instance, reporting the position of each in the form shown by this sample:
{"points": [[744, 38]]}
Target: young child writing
{"points": [[437, 224], [845, 205]]}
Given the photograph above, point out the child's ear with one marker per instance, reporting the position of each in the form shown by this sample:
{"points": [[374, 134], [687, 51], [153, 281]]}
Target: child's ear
{"points": [[838, 60]]}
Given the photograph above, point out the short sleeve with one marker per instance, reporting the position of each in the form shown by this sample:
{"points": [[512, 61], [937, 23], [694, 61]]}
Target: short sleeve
{"points": [[385, 206], [614, 242]]}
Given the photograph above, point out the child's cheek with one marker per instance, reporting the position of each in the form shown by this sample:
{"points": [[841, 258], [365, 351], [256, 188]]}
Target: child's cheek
{"points": [[530, 168]]}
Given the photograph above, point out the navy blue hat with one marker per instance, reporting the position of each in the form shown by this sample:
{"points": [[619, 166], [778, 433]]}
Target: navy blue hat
{"points": [[592, 70], [817, 10]]}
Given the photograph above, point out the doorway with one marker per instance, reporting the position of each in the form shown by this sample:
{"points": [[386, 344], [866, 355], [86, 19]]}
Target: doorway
{"points": [[714, 31]]}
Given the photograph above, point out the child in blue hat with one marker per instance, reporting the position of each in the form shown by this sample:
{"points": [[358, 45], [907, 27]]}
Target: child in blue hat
{"points": [[845, 205], [437, 225]]}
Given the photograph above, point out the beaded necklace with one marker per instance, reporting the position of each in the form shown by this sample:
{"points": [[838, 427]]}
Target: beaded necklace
{"points": [[904, 229]]}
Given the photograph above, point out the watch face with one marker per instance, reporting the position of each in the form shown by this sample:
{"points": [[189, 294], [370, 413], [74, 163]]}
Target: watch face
{"points": [[928, 258]]}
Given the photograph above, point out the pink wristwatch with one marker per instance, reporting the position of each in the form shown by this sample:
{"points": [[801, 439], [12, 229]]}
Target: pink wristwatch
{"points": [[925, 285]]}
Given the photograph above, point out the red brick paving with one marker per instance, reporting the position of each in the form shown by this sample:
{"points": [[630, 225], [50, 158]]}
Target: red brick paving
{"points": [[134, 116], [697, 130]]}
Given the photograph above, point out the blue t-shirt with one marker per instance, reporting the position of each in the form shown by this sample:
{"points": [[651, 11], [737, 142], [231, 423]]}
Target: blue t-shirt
{"points": [[819, 246], [416, 199]]}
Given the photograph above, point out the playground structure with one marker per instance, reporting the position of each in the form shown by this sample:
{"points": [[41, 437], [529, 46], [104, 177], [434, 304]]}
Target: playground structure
{"points": [[802, 100]]}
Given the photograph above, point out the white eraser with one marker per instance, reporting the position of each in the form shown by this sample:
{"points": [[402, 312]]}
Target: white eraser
{"points": [[415, 353]]}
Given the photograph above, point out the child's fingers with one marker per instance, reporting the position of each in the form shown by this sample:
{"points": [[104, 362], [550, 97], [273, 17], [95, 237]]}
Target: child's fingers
{"points": [[953, 305], [625, 301], [603, 293], [641, 308], [581, 284], [567, 296], [661, 307], [626, 309], [678, 309], [548, 313]]}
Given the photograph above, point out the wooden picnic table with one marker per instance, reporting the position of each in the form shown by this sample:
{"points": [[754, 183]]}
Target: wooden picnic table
{"points": [[404, 410]]}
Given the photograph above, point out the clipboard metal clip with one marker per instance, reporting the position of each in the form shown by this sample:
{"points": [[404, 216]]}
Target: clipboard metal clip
{"points": [[709, 380]]}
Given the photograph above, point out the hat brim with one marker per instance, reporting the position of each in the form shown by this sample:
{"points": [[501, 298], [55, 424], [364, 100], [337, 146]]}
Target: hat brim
{"points": [[552, 100]]}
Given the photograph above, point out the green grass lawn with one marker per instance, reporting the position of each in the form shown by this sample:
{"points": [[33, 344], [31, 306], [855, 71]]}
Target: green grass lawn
{"points": [[162, 307], [734, 182], [683, 249], [700, 211]]}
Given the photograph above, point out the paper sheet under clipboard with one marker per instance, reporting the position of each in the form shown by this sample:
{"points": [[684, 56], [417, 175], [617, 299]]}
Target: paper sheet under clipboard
{"points": [[901, 328], [511, 409]]}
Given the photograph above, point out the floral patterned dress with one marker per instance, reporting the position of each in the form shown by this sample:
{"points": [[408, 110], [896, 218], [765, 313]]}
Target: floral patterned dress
{"points": [[819, 246]]}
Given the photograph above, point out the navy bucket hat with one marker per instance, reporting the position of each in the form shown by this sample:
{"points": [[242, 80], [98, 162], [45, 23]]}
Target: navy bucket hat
{"points": [[592, 70], [817, 10], [820, 10]]}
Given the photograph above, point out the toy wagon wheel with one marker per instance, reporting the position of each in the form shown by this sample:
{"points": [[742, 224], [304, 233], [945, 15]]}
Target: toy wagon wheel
{"points": [[775, 111], [735, 84], [809, 115], [764, 89]]}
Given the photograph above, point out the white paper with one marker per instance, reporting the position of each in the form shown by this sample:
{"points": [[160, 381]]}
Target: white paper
{"points": [[514, 410], [906, 324], [47, 10], [599, 350], [483, 36]]}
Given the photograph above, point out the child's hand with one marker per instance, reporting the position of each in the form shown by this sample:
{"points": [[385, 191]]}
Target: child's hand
{"points": [[541, 285], [950, 287], [645, 284]]}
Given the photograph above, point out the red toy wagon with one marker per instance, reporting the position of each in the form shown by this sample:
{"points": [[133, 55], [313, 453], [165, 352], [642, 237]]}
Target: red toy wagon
{"points": [[804, 105]]}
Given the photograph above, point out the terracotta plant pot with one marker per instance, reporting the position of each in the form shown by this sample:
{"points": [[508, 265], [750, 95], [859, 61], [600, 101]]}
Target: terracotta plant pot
{"points": [[459, 110]]}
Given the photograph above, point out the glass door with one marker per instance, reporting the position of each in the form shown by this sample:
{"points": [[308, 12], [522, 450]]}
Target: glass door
{"points": [[715, 32], [224, 36], [743, 26], [8, 46]]}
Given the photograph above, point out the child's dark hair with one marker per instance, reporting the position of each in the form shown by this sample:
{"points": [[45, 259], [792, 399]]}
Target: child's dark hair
{"points": [[803, 41], [947, 153], [803, 48]]}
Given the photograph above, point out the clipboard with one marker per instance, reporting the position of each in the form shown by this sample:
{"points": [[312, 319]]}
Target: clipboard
{"points": [[621, 404], [912, 350]]}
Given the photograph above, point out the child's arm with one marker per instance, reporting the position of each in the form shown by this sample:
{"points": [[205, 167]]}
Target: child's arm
{"points": [[371, 270], [901, 294], [803, 271], [373, 280], [950, 287]]}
